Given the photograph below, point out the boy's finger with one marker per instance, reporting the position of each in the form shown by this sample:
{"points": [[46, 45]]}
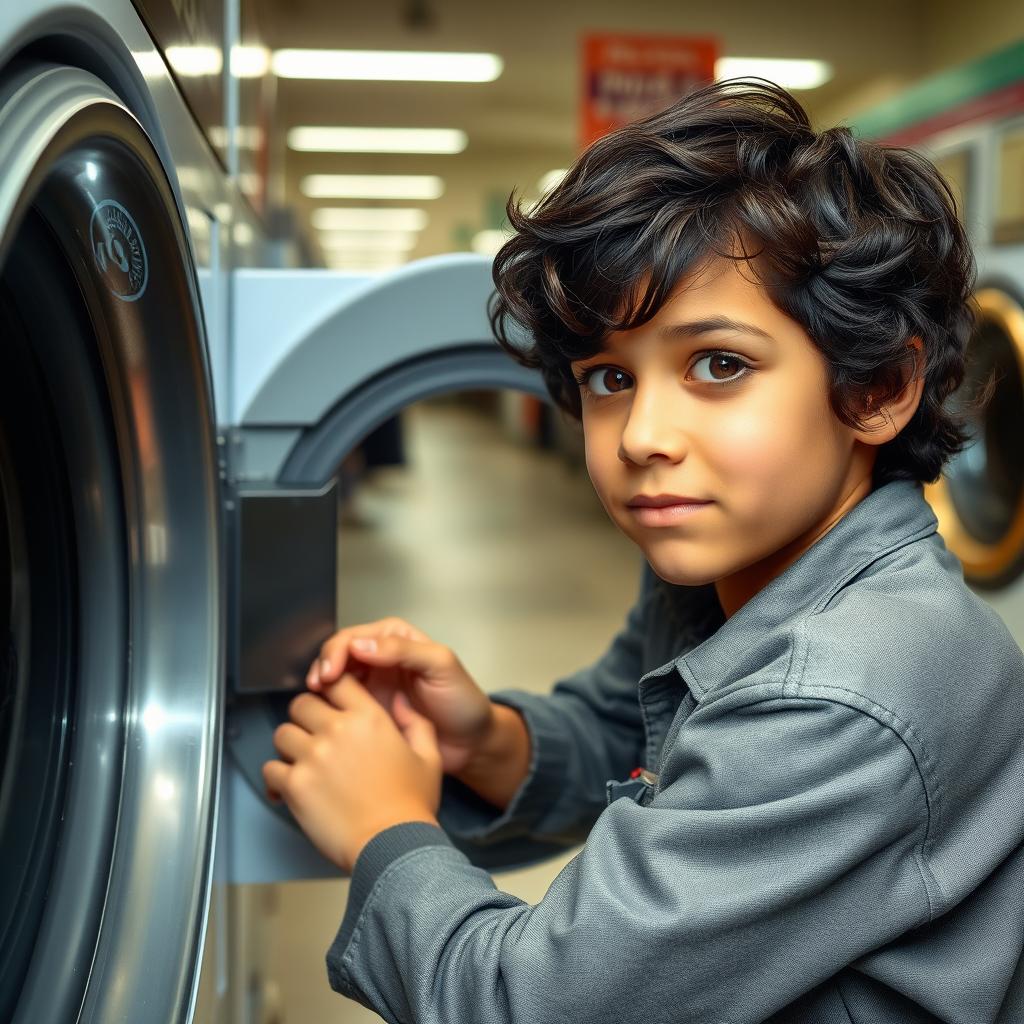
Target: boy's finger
{"points": [[349, 694], [311, 712], [419, 731], [313, 676], [275, 775], [334, 652], [290, 741], [424, 657]]}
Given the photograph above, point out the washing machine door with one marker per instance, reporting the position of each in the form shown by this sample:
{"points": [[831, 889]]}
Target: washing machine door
{"points": [[979, 500], [110, 576]]}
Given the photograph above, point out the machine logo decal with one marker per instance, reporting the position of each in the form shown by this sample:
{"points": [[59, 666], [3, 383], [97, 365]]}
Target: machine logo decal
{"points": [[119, 251]]}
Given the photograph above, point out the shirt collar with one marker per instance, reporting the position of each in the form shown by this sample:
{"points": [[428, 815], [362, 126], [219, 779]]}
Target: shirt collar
{"points": [[757, 635]]}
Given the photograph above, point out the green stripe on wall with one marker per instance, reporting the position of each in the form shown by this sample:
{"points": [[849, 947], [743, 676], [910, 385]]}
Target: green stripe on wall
{"points": [[940, 92]]}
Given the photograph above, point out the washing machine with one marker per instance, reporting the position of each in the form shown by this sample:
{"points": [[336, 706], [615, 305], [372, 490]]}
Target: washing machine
{"points": [[114, 221], [970, 123]]}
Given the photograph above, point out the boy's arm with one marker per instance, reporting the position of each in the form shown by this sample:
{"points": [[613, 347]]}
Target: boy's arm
{"points": [[502, 764], [551, 756], [755, 875]]}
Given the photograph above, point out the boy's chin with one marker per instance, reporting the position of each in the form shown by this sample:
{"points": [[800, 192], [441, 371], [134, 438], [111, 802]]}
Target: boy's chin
{"points": [[680, 575]]}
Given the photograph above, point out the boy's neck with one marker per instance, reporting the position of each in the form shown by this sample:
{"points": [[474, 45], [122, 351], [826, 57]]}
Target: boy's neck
{"points": [[736, 590]]}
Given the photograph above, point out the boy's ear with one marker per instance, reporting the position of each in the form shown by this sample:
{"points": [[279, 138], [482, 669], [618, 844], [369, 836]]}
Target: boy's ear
{"points": [[883, 423]]}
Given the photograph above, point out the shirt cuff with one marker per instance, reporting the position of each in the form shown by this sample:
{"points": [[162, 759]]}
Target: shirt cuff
{"points": [[386, 846]]}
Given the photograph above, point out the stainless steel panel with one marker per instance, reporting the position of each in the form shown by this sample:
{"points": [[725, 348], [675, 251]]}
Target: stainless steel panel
{"points": [[286, 584]]}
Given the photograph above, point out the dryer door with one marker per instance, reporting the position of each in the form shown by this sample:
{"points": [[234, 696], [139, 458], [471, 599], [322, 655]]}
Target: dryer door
{"points": [[979, 500], [110, 579]]}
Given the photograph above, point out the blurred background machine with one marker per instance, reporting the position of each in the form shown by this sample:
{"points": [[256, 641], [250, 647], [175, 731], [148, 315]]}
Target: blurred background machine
{"points": [[970, 122]]}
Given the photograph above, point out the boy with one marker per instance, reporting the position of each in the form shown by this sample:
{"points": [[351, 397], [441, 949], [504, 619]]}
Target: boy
{"points": [[809, 727]]}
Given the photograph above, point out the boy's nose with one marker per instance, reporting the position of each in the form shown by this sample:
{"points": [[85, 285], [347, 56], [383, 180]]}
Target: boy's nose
{"points": [[652, 430]]}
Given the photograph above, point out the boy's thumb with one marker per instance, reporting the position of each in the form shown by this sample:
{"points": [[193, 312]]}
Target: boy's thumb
{"points": [[418, 730]]}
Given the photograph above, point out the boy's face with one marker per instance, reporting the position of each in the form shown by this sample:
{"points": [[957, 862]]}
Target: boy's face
{"points": [[725, 414]]}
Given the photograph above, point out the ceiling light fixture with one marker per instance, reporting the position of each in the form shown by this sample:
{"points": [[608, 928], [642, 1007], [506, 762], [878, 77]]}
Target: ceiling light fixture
{"points": [[370, 241], [316, 139], [249, 61], [387, 65], [489, 241], [551, 179], [150, 63], [335, 218], [195, 61], [365, 266], [372, 186], [790, 74], [247, 136]]}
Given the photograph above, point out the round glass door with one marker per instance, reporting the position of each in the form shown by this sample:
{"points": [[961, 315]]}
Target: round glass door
{"points": [[979, 501]]}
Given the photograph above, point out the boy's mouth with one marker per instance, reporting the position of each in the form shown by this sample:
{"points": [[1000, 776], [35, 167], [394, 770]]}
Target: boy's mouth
{"points": [[663, 501], [663, 509]]}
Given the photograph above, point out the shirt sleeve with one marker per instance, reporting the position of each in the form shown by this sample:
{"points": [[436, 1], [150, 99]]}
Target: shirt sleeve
{"points": [[586, 731], [786, 845]]}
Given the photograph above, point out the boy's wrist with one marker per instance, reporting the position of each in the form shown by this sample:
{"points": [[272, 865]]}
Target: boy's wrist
{"points": [[502, 760]]}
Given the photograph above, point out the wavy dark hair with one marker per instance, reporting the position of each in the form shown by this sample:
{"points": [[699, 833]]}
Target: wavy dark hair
{"points": [[857, 242]]}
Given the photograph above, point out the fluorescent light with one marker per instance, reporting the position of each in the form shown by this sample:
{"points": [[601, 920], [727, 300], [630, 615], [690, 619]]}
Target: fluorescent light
{"points": [[370, 241], [195, 61], [247, 136], [387, 65], [330, 218], [150, 63], [338, 258], [377, 140], [790, 74], [551, 179], [250, 182], [488, 242], [249, 61], [364, 261], [372, 186]]}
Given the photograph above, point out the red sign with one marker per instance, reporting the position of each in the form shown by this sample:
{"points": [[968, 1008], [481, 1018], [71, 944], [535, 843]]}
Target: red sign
{"points": [[628, 77]]}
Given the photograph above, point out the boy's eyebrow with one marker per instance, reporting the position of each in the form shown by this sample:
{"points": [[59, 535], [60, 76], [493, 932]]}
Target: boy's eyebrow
{"points": [[692, 329], [711, 323]]}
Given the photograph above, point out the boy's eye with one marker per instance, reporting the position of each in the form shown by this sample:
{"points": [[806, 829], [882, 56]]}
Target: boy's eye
{"points": [[721, 367], [604, 380]]}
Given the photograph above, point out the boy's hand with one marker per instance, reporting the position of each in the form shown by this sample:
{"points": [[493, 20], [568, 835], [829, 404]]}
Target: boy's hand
{"points": [[348, 771], [391, 656]]}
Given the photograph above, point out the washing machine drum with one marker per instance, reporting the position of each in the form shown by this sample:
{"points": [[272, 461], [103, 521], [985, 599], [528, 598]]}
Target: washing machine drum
{"points": [[110, 580], [979, 501]]}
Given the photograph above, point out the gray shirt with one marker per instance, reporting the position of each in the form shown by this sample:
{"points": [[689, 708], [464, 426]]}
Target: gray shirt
{"points": [[828, 828]]}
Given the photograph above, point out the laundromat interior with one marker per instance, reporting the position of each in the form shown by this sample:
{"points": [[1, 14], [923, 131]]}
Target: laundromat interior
{"points": [[251, 394]]}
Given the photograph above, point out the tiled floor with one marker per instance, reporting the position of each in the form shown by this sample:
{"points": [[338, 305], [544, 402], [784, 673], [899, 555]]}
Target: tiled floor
{"points": [[500, 551]]}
